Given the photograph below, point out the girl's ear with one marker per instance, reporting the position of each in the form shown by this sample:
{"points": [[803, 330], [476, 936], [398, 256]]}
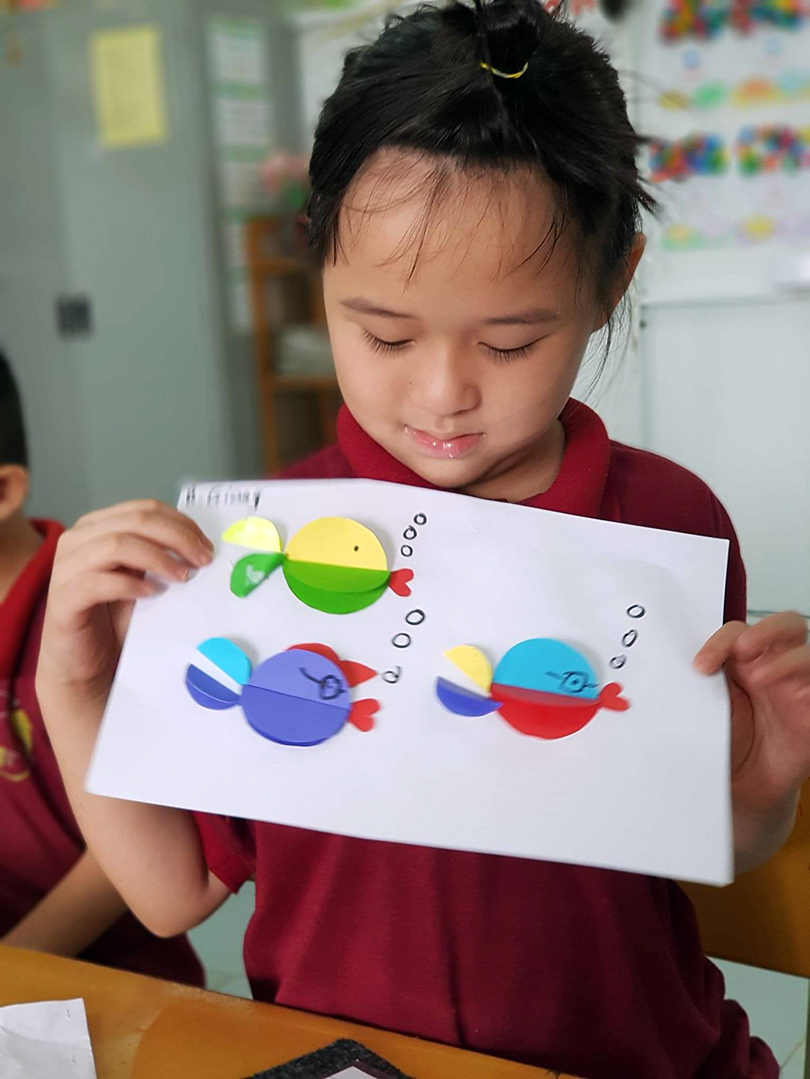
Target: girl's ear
{"points": [[623, 281], [13, 490]]}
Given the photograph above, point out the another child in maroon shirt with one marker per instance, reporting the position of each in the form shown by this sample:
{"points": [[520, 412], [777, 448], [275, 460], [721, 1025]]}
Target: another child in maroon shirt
{"points": [[476, 212], [53, 895]]}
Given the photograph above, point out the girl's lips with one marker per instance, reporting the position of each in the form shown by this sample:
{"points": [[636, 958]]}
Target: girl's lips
{"points": [[446, 448]]}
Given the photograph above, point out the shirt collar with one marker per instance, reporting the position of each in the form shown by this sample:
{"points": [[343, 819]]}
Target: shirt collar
{"points": [[579, 487]]}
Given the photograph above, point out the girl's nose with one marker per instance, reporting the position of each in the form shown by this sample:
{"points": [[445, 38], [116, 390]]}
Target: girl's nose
{"points": [[444, 383]]}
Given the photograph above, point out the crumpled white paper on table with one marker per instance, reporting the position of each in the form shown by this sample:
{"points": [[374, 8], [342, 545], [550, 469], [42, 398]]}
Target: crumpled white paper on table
{"points": [[46, 1040]]}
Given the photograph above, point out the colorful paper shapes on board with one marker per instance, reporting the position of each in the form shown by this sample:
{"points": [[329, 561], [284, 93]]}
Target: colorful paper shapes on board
{"points": [[332, 564], [250, 571], [256, 532], [463, 701], [472, 662], [300, 697], [542, 687]]}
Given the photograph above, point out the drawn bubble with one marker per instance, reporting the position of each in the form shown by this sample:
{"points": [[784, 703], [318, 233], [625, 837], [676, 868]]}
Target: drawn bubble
{"points": [[415, 618], [636, 611], [630, 638], [406, 550], [392, 677], [420, 519], [410, 533], [618, 662], [402, 640]]}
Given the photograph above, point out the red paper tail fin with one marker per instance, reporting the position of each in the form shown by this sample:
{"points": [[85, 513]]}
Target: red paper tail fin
{"points": [[611, 698], [399, 581], [363, 713]]}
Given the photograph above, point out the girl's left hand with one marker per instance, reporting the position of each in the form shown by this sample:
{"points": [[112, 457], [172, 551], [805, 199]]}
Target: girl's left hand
{"points": [[767, 666]]}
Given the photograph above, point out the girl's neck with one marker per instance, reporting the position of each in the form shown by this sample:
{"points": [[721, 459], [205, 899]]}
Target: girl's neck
{"points": [[524, 476], [19, 542]]}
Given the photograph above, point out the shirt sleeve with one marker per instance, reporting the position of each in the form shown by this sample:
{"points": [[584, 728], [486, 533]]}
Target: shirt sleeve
{"points": [[229, 848]]}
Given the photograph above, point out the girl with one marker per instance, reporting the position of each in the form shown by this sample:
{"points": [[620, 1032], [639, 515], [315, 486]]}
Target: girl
{"points": [[475, 207]]}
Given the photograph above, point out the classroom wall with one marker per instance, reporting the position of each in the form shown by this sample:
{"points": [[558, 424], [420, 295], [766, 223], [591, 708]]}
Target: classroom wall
{"points": [[146, 387]]}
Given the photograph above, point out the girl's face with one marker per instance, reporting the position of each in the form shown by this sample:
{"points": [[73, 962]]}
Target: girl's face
{"points": [[456, 344]]}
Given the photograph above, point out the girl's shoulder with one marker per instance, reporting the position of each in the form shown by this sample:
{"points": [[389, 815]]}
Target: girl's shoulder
{"points": [[652, 490]]}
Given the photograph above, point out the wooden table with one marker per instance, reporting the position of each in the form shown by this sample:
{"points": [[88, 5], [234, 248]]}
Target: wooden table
{"points": [[142, 1028]]}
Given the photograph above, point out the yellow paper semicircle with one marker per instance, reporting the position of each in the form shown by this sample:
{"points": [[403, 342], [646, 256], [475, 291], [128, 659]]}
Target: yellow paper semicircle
{"points": [[337, 541], [255, 532], [472, 662]]}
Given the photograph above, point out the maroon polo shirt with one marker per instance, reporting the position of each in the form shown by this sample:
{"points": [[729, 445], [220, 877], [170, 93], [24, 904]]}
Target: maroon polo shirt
{"points": [[587, 971], [39, 837]]}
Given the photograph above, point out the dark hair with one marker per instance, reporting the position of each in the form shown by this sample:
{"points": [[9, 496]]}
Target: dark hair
{"points": [[13, 448], [421, 86]]}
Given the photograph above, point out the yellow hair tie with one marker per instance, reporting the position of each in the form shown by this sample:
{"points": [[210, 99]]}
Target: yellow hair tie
{"points": [[504, 74]]}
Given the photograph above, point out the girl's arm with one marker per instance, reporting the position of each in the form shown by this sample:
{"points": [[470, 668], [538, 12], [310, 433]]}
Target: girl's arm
{"points": [[78, 910], [151, 854], [767, 667]]}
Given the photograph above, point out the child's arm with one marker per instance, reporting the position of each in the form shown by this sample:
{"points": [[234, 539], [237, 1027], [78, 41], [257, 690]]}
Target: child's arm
{"points": [[151, 854], [79, 909], [768, 671]]}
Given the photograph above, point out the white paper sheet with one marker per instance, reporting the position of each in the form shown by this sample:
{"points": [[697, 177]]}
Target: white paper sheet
{"points": [[644, 790], [45, 1040]]}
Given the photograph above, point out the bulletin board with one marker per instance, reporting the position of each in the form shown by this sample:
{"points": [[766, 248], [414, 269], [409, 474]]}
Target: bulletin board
{"points": [[725, 96]]}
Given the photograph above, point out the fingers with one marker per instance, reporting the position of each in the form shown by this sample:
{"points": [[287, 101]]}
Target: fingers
{"points": [[122, 551], [139, 516], [151, 521], [101, 588], [786, 668], [744, 644], [778, 632], [717, 649]]}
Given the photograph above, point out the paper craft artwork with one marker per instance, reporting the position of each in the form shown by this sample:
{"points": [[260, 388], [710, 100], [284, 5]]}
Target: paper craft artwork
{"points": [[333, 564], [534, 697], [299, 697], [541, 687]]}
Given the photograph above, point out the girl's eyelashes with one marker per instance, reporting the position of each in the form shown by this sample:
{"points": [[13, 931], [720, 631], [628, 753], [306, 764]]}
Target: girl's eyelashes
{"points": [[506, 354], [379, 345]]}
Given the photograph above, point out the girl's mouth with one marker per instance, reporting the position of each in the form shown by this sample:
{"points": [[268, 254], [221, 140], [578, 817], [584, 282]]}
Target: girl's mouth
{"points": [[446, 448]]}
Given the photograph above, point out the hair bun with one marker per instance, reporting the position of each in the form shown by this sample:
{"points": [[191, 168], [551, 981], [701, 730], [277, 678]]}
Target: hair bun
{"points": [[510, 31]]}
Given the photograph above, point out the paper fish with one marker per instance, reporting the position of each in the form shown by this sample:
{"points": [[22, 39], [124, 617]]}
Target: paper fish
{"points": [[300, 697], [332, 564], [541, 687]]}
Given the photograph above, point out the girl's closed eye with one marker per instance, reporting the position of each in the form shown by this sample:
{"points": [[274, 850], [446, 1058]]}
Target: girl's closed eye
{"points": [[379, 344], [506, 354]]}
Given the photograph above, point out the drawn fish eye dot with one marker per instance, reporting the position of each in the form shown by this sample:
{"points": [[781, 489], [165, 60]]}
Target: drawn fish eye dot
{"points": [[357, 548]]}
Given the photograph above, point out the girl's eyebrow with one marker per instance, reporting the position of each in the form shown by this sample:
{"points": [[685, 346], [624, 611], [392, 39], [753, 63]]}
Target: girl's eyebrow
{"points": [[521, 318]]}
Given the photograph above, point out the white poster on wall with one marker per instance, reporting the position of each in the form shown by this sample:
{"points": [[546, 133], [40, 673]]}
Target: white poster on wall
{"points": [[725, 92]]}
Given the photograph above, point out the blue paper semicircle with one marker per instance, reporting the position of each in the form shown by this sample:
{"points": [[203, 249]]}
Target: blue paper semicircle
{"points": [[207, 691], [463, 701]]}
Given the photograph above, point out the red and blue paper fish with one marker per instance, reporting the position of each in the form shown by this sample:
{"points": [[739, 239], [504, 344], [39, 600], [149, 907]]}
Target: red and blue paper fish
{"points": [[541, 687]]}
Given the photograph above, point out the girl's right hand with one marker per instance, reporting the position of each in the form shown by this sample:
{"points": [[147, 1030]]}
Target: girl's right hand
{"points": [[98, 574]]}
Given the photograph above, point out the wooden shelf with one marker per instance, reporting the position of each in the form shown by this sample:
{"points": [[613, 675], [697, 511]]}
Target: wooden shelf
{"points": [[263, 241], [303, 383]]}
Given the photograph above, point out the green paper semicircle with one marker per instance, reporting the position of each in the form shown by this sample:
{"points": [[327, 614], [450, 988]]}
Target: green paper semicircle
{"points": [[327, 578], [321, 599]]}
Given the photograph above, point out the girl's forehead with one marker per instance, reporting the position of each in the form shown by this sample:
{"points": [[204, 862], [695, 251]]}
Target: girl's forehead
{"points": [[411, 216]]}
